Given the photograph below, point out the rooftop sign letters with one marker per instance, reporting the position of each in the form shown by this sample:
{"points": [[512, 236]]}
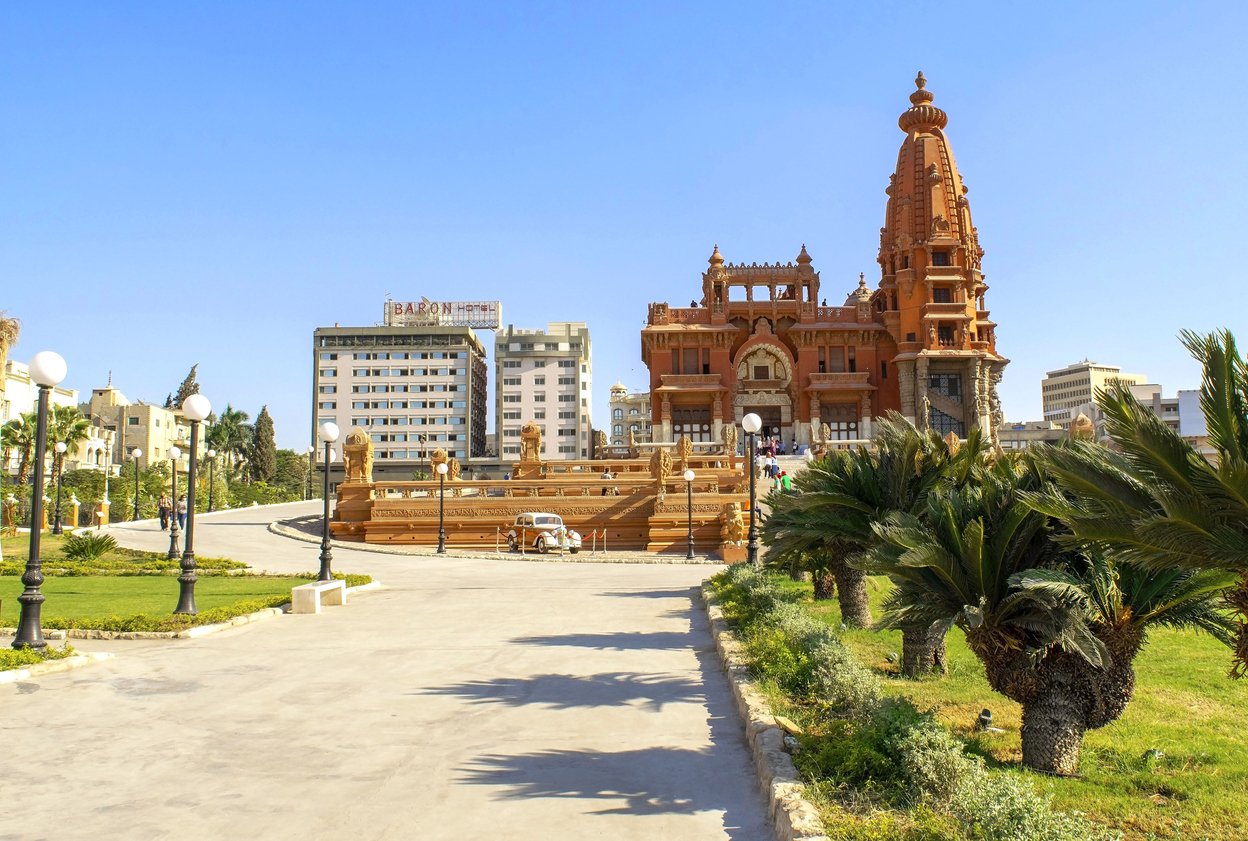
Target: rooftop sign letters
{"points": [[485, 315]]}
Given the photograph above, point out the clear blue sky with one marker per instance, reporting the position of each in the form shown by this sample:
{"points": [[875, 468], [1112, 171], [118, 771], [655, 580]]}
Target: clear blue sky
{"points": [[209, 182]]}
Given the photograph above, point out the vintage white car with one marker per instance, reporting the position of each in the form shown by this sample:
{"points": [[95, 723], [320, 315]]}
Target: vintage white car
{"points": [[542, 532]]}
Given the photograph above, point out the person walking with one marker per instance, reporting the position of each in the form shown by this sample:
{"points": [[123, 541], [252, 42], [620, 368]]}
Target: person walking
{"points": [[786, 482], [164, 507], [182, 512]]}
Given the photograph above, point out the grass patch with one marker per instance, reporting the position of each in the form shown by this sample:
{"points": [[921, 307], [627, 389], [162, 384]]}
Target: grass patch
{"points": [[1184, 706], [115, 561], [12, 658]]}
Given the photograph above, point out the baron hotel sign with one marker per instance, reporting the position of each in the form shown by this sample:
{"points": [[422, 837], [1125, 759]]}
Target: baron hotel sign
{"points": [[485, 315]]}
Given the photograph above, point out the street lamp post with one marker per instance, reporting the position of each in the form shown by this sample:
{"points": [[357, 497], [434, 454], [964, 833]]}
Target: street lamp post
{"points": [[212, 476], [172, 555], [59, 461], [138, 454], [752, 423], [46, 369], [329, 434], [195, 407], [441, 508], [689, 508]]}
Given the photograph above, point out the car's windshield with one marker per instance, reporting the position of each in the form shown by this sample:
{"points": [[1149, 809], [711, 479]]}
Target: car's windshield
{"points": [[548, 521]]}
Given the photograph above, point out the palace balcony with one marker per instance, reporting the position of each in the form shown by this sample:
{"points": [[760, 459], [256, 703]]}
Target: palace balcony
{"points": [[663, 314], [841, 381], [954, 309], [691, 382]]}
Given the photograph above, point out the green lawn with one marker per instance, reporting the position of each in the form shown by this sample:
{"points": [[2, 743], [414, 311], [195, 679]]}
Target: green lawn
{"points": [[1184, 705], [94, 596]]}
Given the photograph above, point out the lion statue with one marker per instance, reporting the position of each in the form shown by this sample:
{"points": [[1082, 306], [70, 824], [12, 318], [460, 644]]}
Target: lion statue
{"points": [[661, 465]]}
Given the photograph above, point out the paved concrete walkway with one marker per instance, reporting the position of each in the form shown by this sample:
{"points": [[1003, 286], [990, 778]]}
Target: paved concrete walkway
{"points": [[466, 699]]}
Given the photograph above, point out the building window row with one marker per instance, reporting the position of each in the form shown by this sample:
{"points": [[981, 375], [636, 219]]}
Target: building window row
{"points": [[405, 355], [408, 372]]}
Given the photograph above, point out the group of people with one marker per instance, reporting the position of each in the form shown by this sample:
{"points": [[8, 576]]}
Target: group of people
{"points": [[166, 509]]}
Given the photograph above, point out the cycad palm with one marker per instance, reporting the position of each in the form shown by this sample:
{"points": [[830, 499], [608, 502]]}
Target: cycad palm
{"points": [[1056, 630], [838, 500], [1159, 503]]}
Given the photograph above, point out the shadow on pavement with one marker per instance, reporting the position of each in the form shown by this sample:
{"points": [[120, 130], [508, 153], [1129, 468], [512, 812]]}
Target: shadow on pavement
{"points": [[617, 641], [562, 692], [685, 593]]}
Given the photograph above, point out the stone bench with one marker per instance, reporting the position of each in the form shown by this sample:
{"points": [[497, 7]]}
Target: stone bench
{"points": [[308, 598]]}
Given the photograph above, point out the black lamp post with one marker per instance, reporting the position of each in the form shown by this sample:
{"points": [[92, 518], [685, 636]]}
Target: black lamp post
{"points": [[689, 508], [441, 508], [752, 423], [172, 554], [138, 453], [46, 369], [59, 461], [329, 434], [195, 407], [212, 476]]}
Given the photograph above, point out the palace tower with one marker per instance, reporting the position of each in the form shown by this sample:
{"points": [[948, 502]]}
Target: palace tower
{"points": [[761, 339]]}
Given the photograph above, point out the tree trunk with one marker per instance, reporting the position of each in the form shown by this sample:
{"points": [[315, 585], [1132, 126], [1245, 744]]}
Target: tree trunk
{"points": [[825, 585], [851, 586], [1052, 731], [922, 652]]}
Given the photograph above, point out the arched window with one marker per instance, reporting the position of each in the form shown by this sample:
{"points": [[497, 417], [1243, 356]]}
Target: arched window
{"points": [[618, 429], [617, 414]]}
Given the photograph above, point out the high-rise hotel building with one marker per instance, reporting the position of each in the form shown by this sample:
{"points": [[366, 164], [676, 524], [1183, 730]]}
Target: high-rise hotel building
{"points": [[414, 389], [544, 376]]}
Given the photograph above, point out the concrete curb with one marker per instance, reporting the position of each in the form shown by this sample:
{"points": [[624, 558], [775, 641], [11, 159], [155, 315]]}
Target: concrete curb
{"points": [[792, 817], [53, 666], [281, 529]]}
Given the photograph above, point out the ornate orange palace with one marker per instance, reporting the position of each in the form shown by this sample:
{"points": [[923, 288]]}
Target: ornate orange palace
{"points": [[762, 340]]}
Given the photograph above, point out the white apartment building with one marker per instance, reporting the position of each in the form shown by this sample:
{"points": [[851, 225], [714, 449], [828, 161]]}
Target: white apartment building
{"points": [[1065, 390], [544, 376], [630, 412], [413, 389]]}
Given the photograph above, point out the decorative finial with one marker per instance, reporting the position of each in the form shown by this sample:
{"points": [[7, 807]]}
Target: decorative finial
{"points": [[717, 259], [920, 81], [110, 380], [803, 257]]}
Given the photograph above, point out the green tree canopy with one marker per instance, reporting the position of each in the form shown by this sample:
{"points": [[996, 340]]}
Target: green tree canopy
{"points": [[263, 448], [189, 386]]}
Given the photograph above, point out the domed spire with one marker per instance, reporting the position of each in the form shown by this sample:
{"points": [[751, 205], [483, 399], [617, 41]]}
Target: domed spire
{"points": [[717, 259], [922, 116], [803, 257]]}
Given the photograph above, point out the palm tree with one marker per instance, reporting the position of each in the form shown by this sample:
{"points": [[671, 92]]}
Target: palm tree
{"points": [[828, 523], [10, 329], [19, 434], [66, 425], [1057, 630], [230, 435], [1158, 503]]}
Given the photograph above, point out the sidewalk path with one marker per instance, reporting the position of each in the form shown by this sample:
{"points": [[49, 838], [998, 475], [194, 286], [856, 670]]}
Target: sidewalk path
{"points": [[467, 699]]}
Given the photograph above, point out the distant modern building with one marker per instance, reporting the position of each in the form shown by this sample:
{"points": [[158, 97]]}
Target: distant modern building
{"points": [[630, 412], [1064, 391], [1166, 408], [544, 376], [413, 388], [21, 395], [1020, 436]]}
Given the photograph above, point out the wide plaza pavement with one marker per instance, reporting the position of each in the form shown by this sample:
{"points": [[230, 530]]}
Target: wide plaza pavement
{"points": [[466, 699]]}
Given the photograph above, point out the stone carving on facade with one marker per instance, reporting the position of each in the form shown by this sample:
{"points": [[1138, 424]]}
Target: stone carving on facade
{"points": [[684, 451], [925, 413], [437, 457], [357, 456], [729, 436], [530, 442], [825, 433], [994, 402], [633, 450], [660, 465], [732, 524], [600, 443], [453, 470]]}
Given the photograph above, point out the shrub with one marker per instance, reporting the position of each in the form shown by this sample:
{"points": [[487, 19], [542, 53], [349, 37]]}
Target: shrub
{"points": [[166, 622], [844, 685], [998, 807], [16, 658], [88, 546]]}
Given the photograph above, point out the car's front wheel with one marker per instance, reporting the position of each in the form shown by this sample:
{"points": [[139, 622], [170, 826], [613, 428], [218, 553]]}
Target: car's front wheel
{"points": [[513, 545], [540, 545]]}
